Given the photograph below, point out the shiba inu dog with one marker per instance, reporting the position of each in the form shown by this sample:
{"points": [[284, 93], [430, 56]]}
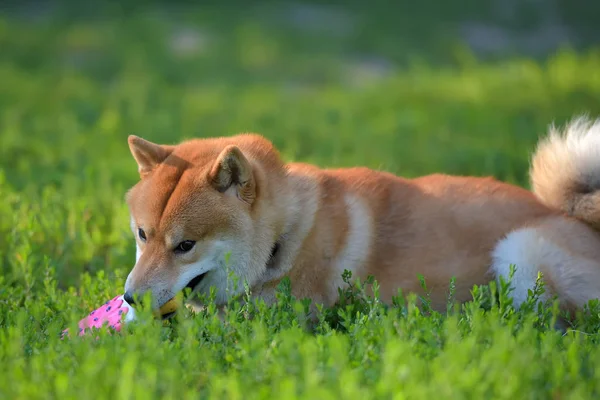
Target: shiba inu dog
{"points": [[205, 201]]}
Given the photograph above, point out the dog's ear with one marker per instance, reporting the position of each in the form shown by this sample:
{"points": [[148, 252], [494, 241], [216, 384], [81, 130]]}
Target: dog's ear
{"points": [[147, 154], [232, 174]]}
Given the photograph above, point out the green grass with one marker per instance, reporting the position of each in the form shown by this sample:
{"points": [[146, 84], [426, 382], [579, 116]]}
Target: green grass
{"points": [[71, 92]]}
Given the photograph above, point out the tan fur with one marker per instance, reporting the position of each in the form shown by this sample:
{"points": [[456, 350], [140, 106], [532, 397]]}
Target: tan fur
{"points": [[565, 173], [236, 194]]}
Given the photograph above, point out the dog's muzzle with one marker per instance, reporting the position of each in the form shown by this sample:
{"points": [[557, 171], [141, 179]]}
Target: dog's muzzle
{"points": [[168, 309]]}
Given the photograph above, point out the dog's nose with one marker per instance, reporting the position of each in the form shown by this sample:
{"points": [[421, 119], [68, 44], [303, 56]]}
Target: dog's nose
{"points": [[128, 297]]}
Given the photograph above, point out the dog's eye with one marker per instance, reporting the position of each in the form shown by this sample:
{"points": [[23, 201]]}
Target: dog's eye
{"points": [[185, 246], [142, 234]]}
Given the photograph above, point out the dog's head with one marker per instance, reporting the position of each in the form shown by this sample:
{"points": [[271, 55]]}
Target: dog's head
{"points": [[202, 209]]}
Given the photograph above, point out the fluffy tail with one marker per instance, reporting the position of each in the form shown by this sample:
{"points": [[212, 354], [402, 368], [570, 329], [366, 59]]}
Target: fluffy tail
{"points": [[565, 170]]}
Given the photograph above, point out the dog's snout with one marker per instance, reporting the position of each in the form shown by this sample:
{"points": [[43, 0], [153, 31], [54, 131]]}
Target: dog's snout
{"points": [[128, 297]]}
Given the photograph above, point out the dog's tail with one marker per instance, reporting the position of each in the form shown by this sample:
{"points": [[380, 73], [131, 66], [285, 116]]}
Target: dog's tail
{"points": [[565, 170]]}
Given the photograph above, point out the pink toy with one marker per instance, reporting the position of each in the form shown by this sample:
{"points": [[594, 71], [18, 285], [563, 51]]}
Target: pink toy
{"points": [[110, 313]]}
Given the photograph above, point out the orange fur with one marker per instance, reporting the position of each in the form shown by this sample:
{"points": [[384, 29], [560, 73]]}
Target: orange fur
{"points": [[236, 195]]}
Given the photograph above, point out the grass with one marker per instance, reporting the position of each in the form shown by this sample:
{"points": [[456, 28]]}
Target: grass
{"points": [[72, 90]]}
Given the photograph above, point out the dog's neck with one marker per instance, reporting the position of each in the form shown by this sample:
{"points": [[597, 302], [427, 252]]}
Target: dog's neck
{"points": [[274, 252], [298, 201], [275, 249]]}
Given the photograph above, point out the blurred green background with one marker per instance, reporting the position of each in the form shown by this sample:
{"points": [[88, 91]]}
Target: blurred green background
{"points": [[410, 87]]}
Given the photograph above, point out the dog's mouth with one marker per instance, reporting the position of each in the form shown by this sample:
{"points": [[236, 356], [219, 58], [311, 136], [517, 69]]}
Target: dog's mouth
{"points": [[195, 281], [191, 285]]}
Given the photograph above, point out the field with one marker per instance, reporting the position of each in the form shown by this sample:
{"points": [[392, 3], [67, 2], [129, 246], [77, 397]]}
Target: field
{"points": [[397, 91]]}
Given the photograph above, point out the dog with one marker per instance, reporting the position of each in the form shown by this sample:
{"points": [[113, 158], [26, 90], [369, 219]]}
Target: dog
{"points": [[205, 208]]}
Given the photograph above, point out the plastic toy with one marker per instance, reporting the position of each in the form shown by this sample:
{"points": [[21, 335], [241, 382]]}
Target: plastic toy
{"points": [[116, 312], [110, 313]]}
